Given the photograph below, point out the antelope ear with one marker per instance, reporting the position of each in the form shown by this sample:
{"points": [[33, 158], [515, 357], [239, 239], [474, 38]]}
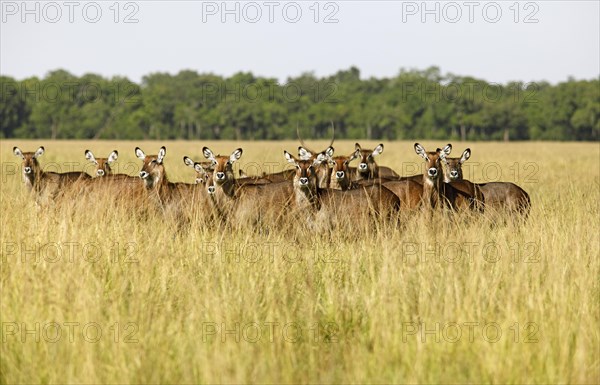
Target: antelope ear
{"points": [[354, 155], [304, 154], [357, 146], [188, 162], [290, 158], [420, 150], [447, 150], [139, 153], [321, 158], [329, 151], [39, 152], [89, 156], [378, 150], [465, 156], [17, 151], [161, 154], [208, 154], [237, 154], [113, 156]]}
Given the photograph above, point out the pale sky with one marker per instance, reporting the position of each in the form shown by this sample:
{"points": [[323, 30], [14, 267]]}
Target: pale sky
{"points": [[497, 41]]}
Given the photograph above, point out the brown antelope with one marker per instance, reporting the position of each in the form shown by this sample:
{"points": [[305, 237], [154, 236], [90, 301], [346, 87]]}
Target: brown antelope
{"points": [[498, 195], [178, 200], [341, 175], [203, 169], [338, 206], [240, 203], [102, 164], [322, 171], [368, 168], [436, 193], [47, 185], [104, 173]]}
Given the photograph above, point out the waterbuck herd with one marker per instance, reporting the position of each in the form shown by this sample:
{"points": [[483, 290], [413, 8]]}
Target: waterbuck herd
{"points": [[321, 187]]}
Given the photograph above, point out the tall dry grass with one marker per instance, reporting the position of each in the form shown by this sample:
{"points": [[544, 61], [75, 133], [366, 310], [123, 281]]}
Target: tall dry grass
{"points": [[421, 303]]}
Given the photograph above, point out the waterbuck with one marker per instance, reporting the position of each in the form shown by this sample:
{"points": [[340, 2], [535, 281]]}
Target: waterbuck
{"points": [[499, 196], [368, 168], [246, 203], [176, 200], [104, 173], [436, 193], [47, 186], [337, 207]]}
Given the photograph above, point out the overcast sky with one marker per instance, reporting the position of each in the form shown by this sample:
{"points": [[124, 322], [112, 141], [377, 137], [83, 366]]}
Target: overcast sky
{"points": [[496, 41]]}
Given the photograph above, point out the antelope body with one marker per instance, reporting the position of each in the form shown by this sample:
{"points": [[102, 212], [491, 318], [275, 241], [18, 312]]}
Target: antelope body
{"points": [[437, 193], [499, 196], [246, 203], [179, 200], [47, 186]]}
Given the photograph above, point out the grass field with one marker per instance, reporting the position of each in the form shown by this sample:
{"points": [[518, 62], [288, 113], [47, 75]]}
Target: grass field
{"points": [[92, 294]]}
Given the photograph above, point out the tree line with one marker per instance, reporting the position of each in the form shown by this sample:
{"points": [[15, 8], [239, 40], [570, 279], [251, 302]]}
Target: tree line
{"points": [[416, 104]]}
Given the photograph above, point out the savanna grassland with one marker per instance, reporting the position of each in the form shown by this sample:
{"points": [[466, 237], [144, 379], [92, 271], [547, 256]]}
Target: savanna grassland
{"points": [[93, 292]]}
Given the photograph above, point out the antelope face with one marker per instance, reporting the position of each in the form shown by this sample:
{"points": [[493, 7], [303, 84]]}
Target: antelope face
{"points": [[453, 166], [367, 163], [433, 161], [102, 164], [204, 176], [30, 164], [203, 169], [306, 175], [222, 165], [340, 165], [153, 170], [320, 164]]}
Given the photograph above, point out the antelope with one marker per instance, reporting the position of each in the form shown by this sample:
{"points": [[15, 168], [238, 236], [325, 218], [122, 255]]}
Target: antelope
{"points": [[176, 199], [368, 168], [237, 202], [104, 171], [339, 206], [436, 193], [102, 164], [46, 185], [322, 167], [203, 170], [498, 195], [341, 176]]}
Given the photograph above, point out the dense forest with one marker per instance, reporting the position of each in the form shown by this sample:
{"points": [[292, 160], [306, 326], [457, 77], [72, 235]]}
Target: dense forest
{"points": [[412, 105]]}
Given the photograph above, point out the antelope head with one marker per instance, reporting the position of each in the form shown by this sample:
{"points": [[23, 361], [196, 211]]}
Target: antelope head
{"points": [[320, 163], [31, 167], [340, 168], [453, 169], [102, 164], [433, 159], [153, 170], [367, 167], [222, 167], [203, 169]]}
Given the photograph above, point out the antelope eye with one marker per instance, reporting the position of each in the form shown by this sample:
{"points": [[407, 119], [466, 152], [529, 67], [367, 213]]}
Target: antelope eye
{"points": [[153, 161]]}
